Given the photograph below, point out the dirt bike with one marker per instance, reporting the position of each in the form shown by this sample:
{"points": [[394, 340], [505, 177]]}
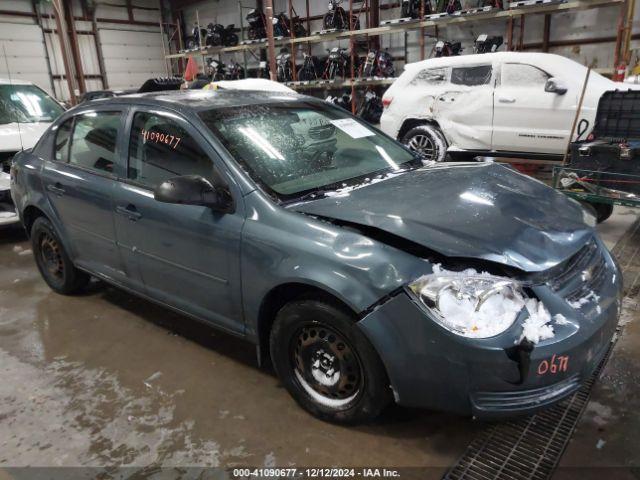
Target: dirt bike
{"points": [[337, 18], [412, 8], [309, 70], [257, 25], [336, 64], [487, 44], [193, 42], [283, 63], [218, 35], [377, 64], [447, 49]]}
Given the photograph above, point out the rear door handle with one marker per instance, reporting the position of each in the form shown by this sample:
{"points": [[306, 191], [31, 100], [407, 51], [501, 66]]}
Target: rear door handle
{"points": [[56, 189], [130, 212], [507, 100]]}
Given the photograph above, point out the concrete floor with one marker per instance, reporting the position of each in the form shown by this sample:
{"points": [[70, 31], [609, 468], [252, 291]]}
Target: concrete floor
{"points": [[108, 379]]}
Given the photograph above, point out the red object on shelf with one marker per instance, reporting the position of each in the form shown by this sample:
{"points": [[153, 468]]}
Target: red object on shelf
{"points": [[620, 72], [192, 70]]}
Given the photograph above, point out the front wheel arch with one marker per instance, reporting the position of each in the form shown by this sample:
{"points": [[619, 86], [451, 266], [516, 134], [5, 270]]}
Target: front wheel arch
{"points": [[277, 298]]}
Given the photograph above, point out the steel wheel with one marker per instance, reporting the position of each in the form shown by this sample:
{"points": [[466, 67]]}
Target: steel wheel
{"points": [[51, 255], [326, 366], [423, 145]]}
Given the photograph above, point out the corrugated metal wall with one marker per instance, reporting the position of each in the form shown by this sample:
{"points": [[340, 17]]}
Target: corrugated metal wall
{"points": [[132, 52]]}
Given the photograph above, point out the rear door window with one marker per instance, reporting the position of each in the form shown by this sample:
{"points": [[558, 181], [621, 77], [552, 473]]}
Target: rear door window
{"points": [[471, 76], [93, 143]]}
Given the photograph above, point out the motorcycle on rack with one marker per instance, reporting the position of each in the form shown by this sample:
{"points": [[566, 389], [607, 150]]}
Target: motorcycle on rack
{"points": [[216, 70], [491, 3], [309, 70], [283, 63], [447, 49], [342, 101], [263, 70], [257, 25], [371, 108], [218, 35], [338, 19], [235, 71], [377, 64], [487, 44], [448, 6], [336, 65], [412, 8], [193, 42], [281, 25]]}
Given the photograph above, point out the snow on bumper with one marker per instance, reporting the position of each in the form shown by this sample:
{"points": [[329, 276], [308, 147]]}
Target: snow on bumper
{"points": [[430, 367]]}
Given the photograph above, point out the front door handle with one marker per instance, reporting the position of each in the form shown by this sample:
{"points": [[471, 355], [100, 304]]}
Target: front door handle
{"points": [[130, 212], [507, 100], [56, 189]]}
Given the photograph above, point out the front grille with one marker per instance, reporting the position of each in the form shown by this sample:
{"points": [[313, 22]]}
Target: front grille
{"points": [[518, 400], [583, 274]]}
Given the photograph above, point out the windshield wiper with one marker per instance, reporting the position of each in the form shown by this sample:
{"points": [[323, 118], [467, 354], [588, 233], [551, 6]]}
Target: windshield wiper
{"points": [[316, 194]]}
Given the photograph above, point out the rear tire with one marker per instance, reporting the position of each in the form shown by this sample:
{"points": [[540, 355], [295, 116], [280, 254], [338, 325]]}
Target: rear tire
{"points": [[327, 364], [53, 261], [428, 141]]}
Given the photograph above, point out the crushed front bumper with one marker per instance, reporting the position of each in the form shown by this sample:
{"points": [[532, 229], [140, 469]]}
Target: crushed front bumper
{"points": [[430, 367]]}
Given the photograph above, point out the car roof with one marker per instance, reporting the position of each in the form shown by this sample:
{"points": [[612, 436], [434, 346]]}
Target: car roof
{"points": [[198, 100], [475, 59], [6, 81]]}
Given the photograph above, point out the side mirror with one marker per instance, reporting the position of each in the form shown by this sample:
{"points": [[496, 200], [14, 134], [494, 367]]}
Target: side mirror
{"points": [[195, 190], [556, 86]]}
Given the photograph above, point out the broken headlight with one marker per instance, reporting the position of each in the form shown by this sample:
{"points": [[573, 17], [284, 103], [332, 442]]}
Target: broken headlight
{"points": [[468, 303]]}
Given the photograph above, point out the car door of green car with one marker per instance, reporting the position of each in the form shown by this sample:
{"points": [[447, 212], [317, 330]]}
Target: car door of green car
{"points": [[187, 256]]}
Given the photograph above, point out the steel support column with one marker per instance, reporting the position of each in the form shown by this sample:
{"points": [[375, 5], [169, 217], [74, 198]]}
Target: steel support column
{"points": [[58, 12], [271, 45]]}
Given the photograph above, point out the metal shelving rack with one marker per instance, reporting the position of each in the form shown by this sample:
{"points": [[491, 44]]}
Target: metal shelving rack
{"points": [[518, 12]]}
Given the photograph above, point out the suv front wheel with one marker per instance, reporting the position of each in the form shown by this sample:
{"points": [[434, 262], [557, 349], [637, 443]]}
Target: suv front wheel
{"points": [[427, 141]]}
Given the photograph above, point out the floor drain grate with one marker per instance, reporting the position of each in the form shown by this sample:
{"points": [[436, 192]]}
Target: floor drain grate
{"points": [[528, 448]]}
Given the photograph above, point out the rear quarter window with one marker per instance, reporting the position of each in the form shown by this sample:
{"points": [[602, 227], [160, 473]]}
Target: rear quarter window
{"points": [[430, 76]]}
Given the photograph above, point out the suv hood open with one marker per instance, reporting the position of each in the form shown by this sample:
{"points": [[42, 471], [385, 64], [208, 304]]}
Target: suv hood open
{"points": [[481, 210]]}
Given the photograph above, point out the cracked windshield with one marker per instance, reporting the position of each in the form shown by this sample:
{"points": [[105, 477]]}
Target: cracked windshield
{"points": [[297, 148]]}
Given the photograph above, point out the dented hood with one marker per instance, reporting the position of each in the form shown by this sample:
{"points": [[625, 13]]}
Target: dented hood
{"points": [[484, 211]]}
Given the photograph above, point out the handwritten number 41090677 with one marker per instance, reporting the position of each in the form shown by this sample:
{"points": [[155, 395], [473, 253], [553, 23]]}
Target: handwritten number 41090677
{"points": [[159, 137]]}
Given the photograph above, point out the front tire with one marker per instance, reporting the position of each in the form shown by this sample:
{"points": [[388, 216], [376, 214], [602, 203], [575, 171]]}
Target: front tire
{"points": [[53, 261], [427, 141], [327, 364]]}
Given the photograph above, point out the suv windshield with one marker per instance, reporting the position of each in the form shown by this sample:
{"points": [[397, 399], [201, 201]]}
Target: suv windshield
{"points": [[26, 104], [296, 148]]}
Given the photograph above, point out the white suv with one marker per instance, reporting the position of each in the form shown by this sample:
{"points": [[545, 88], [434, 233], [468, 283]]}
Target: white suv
{"points": [[502, 104]]}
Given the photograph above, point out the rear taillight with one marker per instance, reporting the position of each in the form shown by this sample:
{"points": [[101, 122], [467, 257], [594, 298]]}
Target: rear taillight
{"points": [[386, 101]]}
